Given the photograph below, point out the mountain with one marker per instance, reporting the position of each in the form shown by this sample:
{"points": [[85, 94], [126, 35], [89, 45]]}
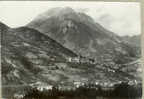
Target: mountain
{"points": [[134, 40], [27, 55], [39, 53], [80, 33], [3, 26], [30, 57], [24, 46]]}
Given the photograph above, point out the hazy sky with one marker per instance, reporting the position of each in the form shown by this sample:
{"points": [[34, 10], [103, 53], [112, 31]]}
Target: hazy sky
{"points": [[121, 18]]}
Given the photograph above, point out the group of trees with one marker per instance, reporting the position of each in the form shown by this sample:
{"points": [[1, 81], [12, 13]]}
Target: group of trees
{"points": [[122, 90]]}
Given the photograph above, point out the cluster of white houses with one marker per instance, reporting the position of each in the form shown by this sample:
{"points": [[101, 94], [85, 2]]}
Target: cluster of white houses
{"points": [[78, 59], [81, 60], [103, 85], [76, 84]]}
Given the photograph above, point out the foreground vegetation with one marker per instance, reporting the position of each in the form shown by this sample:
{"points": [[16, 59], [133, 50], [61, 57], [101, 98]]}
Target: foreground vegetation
{"points": [[120, 91]]}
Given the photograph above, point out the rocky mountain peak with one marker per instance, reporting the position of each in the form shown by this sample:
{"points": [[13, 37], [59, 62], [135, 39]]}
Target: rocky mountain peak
{"points": [[78, 32]]}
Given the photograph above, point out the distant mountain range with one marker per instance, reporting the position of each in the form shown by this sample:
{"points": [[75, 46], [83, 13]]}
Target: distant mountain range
{"points": [[39, 52], [134, 40]]}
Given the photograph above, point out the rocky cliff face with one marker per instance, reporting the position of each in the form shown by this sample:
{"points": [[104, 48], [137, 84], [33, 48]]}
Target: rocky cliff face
{"points": [[80, 33]]}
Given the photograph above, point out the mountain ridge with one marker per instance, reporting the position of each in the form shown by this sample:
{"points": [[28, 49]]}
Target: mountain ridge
{"points": [[78, 32]]}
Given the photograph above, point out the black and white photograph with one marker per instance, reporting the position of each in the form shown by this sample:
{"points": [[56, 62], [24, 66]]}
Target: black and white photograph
{"points": [[70, 50]]}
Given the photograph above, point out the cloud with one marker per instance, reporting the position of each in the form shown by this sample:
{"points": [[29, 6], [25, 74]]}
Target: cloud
{"points": [[122, 18], [106, 20], [84, 10]]}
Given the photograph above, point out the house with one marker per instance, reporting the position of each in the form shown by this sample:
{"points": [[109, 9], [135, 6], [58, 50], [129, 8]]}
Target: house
{"points": [[77, 84], [42, 86], [133, 82], [74, 59], [26, 44], [18, 96]]}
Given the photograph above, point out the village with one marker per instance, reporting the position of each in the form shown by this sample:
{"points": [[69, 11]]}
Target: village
{"points": [[77, 84]]}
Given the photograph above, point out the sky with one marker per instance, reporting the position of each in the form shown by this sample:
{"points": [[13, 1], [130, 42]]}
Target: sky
{"points": [[122, 18]]}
